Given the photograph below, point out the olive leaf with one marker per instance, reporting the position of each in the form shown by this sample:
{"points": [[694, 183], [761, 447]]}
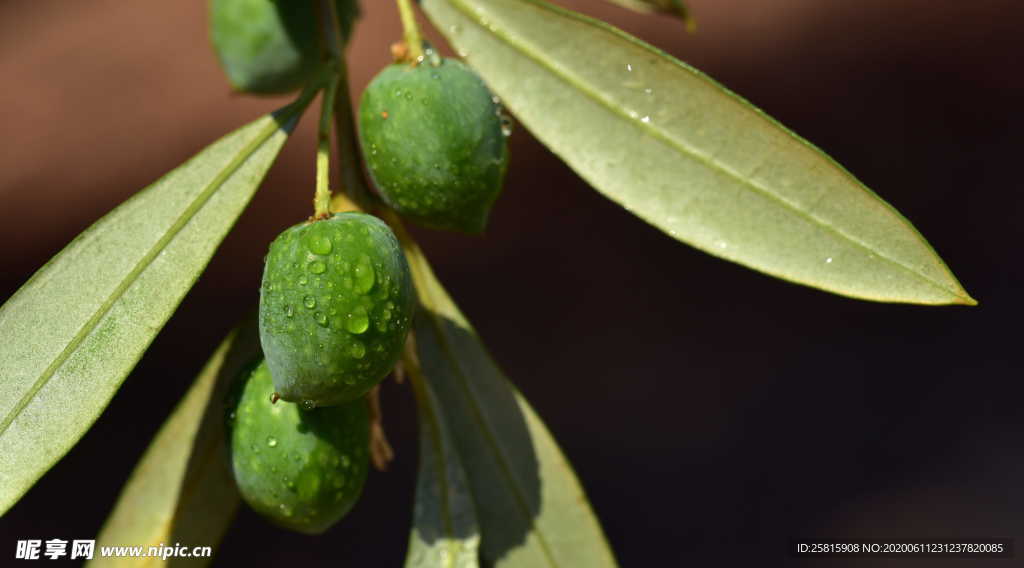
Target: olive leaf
{"points": [[78, 326], [529, 503], [182, 489], [674, 7], [445, 532], [688, 156]]}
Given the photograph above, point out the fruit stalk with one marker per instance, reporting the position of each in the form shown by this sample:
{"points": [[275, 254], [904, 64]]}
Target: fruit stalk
{"points": [[352, 183], [412, 31], [322, 198]]}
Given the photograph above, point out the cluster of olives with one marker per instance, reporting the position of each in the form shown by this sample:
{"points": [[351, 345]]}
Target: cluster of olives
{"points": [[336, 300]]}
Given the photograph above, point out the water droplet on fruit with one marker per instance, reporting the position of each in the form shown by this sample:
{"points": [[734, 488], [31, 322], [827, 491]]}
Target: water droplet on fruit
{"points": [[357, 321], [317, 267], [307, 405], [272, 441], [364, 275], [303, 280], [320, 318], [357, 349], [285, 510], [288, 311], [319, 244], [309, 302]]}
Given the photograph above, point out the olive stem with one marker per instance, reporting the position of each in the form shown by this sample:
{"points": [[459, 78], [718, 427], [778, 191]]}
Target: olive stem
{"points": [[322, 198], [381, 452], [349, 156], [412, 30], [349, 160]]}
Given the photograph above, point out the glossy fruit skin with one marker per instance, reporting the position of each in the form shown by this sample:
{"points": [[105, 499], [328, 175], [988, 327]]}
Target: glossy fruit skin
{"points": [[335, 308], [433, 142], [271, 46], [301, 469]]}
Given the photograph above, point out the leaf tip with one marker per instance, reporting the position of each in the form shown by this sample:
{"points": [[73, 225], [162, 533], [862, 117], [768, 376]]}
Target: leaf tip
{"points": [[965, 299]]}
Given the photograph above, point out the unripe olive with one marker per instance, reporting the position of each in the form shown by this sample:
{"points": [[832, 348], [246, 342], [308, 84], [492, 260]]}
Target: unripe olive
{"points": [[433, 141], [271, 46], [335, 307], [301, 469]]}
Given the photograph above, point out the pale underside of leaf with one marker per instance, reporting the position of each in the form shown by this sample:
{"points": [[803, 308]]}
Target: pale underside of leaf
{"points": [[182, 490], [531, 508], [78, 326], [445, 532], [683, 153]]}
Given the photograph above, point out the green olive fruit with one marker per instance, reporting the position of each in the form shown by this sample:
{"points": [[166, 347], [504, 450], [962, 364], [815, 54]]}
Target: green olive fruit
{"points": [[302, 469], [271, 46], [335, 307], [432, 138]]}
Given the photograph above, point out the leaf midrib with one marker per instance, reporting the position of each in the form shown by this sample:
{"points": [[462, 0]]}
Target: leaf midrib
{"points": [[524, 48], [478, 416], [144, 263], [440, 468]]}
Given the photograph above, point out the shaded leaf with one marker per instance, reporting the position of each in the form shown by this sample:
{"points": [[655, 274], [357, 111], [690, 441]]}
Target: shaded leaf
{"points": [[78, 326], [182, 490], [445, 532], [683, 153], [529, 503], [675, 7]]}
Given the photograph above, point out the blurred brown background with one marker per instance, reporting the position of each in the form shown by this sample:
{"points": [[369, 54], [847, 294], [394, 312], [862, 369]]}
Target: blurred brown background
{"points": [[711, 412]]}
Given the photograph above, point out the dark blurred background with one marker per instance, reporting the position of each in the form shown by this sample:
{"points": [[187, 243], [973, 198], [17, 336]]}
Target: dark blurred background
{"points": [[711, 412]]}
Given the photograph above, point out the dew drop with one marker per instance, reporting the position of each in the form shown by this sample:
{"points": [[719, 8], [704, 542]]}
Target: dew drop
{"points": [[320, 318], [285, 510], [288, 311], [357, 349], [357, 321], [629, 67], [317, 266], [364, 275], [307, 405], [272, 441], [319, 244], [309, 302], [303, 280]]}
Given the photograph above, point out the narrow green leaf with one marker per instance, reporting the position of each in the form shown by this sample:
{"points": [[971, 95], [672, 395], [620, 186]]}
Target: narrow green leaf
{"points": [[78, 326], [688, 156], [182, 490], [444, 532], [530, 506], [675, 7]]}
